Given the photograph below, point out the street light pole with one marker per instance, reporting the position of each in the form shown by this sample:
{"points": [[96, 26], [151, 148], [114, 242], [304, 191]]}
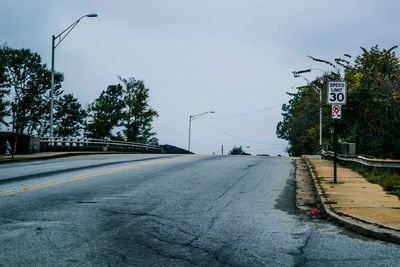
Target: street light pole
{"points": [[192, 117], [52, 86], [190, 129], [54, 45], [320, 104], [320, 116], [13, 107]]}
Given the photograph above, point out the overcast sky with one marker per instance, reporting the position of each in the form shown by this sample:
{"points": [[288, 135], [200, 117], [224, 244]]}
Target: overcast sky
{"points": [[228, 56]]}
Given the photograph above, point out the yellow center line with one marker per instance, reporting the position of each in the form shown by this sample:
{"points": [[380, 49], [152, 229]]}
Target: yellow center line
{"points": [[84, 176]]}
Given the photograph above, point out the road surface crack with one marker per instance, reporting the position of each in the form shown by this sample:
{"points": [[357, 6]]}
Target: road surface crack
{"points": [[232, 186], [300, 257], [185, 244], [169, 256], [138, 214], [249, 166]]}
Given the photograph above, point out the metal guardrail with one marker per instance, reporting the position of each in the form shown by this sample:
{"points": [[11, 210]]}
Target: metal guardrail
{"points": [[369, 162], [318, 150], [70, 144]]}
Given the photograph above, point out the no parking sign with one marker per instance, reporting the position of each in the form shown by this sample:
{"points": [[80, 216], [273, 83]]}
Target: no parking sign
{"points": [[336, 111]]}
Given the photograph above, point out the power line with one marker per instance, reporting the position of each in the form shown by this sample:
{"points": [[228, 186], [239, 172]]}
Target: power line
{"points": [[243, 114], [238, 137], [262, 149]]}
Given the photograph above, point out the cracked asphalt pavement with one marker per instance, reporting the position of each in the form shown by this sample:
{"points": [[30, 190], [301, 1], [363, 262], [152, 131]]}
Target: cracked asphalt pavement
{"points": [[170, 211]]}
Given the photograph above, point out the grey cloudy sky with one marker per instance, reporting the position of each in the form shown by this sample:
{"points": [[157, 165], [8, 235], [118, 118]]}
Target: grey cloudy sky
{"points": [[231, 56]]}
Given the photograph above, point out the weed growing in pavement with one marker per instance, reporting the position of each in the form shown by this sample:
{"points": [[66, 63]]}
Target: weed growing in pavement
{"points": [[389, 182], [312, 168], [330, 201]]}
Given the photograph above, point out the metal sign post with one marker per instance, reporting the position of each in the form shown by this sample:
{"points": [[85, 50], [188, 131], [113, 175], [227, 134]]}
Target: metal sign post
{"points": [[335, 144], [337, 96], [336, 114]]}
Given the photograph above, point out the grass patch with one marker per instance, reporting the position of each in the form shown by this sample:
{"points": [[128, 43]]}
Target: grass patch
{"points": [[330, 201], [389, 182]]}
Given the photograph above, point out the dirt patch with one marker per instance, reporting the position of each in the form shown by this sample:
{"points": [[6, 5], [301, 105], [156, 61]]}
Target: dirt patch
{"points": [[305, 192]]}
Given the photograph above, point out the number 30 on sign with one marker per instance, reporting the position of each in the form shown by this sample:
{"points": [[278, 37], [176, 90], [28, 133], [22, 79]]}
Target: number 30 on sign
{"points": [[337, 92]]}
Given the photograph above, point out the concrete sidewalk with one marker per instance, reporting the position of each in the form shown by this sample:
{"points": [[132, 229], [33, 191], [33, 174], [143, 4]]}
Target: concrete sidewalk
{"points": [[355, 202]]}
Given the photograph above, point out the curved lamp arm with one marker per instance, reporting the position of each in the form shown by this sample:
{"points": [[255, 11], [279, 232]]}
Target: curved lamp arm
{"points": [[61, 37]]}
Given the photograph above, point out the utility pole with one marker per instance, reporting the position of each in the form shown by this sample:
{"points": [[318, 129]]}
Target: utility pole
{"points": [[222, 149], [190, 130]]}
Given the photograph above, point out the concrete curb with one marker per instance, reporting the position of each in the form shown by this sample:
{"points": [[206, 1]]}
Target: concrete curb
{"points": [[357, 225]]}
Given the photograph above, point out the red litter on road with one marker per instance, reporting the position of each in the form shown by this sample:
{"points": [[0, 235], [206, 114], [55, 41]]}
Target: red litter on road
{"points": [[315, 211]]}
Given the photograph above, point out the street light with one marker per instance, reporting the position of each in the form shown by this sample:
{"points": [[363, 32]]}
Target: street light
{"points": [[320, 104], [192, 117], [59, 38]]}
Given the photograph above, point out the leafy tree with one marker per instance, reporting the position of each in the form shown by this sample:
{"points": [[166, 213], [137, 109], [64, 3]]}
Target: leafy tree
{"points": [[69, 116], [237, 150], [139, 115], [30, 81], [105, 113], [370, 118], [119, 137], [4, 106], [4, 103], [373, 109]]}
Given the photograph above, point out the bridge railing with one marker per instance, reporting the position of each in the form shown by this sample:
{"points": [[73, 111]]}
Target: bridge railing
{"points": [[87, 144], [366, 162]]}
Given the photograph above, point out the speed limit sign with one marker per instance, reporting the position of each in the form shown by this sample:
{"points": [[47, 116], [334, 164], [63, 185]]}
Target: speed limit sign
{"points": [[337, 92]]}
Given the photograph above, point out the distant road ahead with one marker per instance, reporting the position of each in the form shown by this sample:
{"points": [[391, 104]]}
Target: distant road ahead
{"points": [[112, 210]]}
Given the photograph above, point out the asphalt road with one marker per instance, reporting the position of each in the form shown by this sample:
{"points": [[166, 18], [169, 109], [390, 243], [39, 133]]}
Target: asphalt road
{"points": [[170, 211]]}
